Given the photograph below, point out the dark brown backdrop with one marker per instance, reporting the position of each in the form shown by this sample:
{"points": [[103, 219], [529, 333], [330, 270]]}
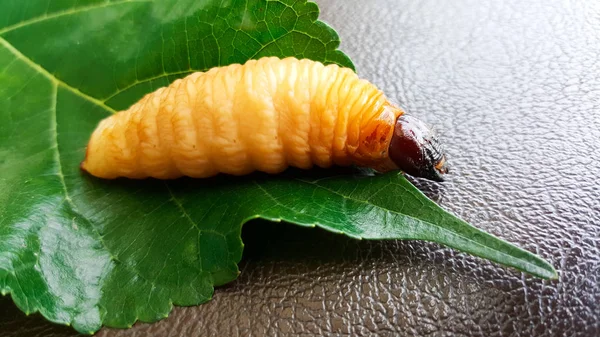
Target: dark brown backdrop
{"points": [[514, 89]]}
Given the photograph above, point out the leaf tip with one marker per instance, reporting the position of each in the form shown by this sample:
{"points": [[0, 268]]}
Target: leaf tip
{"points": [[553, 275], [547, 272]]}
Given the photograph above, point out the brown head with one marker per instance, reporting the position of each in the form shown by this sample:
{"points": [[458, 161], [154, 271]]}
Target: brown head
{"points": [[415, 149]]}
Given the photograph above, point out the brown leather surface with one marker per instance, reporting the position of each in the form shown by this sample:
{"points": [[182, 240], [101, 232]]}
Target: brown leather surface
{"points": [[513, 88]]}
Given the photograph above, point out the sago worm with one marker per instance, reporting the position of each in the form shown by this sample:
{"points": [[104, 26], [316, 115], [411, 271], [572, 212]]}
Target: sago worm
{"points": [[265, 115]]}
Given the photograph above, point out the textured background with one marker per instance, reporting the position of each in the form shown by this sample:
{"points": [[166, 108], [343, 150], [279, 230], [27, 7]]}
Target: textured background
{"points": [[513, 88]]}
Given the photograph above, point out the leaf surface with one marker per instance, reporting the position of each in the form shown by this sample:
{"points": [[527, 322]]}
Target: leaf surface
{"points": [[89, 252]]}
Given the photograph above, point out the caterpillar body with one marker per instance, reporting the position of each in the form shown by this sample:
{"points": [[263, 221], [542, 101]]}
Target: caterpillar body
{"points": [[265, 115]]}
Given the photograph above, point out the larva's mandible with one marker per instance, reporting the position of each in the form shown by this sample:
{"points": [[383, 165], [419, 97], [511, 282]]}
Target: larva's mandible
{"points": [[265, 115]]}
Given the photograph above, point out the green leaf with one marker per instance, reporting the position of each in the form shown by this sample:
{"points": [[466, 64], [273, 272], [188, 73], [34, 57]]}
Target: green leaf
{"points": [[89, 252]]}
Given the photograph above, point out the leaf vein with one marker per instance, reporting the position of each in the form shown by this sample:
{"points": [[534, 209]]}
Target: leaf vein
{"points": [[186, 214], [51, 77], [64, 13]]}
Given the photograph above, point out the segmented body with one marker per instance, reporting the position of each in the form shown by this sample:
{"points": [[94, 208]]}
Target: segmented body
{"points": [[265, 115]]}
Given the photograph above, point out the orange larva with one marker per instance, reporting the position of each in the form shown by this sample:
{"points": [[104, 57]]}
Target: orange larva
{"points": [[265, 115]]}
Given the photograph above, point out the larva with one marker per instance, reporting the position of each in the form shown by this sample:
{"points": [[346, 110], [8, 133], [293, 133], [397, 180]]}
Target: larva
{"points": [[265, 115]]}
